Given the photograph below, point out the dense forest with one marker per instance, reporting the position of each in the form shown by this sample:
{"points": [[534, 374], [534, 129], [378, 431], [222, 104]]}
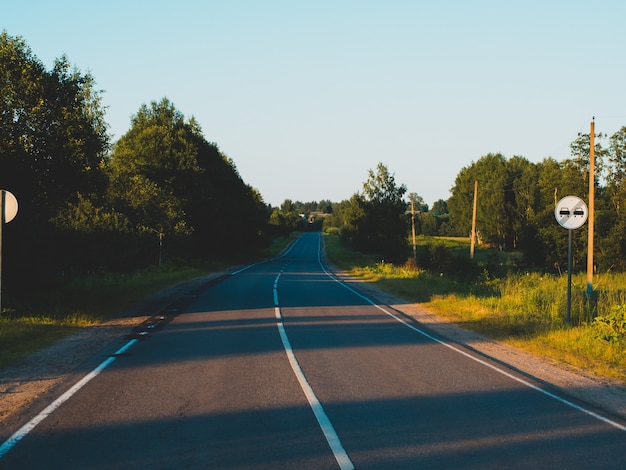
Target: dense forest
{"points": [[87, 204], [164, 192]]}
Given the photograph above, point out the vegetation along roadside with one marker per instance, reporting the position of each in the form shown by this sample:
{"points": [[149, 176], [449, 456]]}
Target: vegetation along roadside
{"points": [[163, 192], [67, 306], [525, 310]]}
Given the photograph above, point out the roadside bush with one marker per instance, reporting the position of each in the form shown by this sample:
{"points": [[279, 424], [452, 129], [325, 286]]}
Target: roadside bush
{"points": [[611, 327], [438, 259], [332, 231]]}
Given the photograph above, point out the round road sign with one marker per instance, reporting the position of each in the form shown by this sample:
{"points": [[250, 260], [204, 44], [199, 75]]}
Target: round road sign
{"points": [[571, 212], [10, 206]]}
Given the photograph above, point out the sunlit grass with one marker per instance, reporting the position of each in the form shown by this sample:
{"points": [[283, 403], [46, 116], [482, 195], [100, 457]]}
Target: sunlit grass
{"points": [[526, 310], [278, 244], [56, 311], [66, 307], [21, 336], [38, 321]]}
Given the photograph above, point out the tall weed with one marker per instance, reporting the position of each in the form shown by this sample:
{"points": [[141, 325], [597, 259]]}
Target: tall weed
{"points": [[612, 327]]}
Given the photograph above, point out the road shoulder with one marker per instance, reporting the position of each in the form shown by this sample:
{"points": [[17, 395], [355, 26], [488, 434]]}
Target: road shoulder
{"points": [[22, 385], [603, 393]]}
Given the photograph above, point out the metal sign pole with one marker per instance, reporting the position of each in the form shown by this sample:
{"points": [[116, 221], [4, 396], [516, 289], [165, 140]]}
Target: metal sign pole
{"points": [[571, 213], [569, 277], [2, 219], [8, 210]]}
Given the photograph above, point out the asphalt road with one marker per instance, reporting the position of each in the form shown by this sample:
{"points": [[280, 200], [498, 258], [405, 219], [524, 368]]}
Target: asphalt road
{"points": [[280, 365]]}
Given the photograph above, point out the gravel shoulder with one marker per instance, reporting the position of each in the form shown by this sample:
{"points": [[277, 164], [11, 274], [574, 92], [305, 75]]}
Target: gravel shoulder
{"points": [[22, 385], [602, 393]]}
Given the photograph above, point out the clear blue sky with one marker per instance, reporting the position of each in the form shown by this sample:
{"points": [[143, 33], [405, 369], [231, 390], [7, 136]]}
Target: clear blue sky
{"points": [[306, 97]]}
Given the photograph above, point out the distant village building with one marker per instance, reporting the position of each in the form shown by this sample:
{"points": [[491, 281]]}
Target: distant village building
{"points": [[314, 215]]}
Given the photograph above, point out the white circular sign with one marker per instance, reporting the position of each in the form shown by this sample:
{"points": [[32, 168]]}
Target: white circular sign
{"points": [[571, 212], [10, 206]]}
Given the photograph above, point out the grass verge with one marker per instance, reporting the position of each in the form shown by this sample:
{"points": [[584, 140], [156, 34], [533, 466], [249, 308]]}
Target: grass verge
{"points": [[53, 312], [524, 310], [58, 310]]}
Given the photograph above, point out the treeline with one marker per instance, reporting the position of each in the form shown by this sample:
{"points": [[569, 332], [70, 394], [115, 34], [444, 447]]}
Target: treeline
{"points": [[87, 204], [298, 216], [516, 201], [162, 191], [515, 208]]}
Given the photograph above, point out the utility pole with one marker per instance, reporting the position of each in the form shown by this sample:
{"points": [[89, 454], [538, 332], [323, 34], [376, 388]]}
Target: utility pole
{"points": [[413, 229], [591, 211], [473, 236]]}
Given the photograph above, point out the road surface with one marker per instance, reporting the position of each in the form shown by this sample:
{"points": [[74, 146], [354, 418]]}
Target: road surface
{"points": [[282, 366]]}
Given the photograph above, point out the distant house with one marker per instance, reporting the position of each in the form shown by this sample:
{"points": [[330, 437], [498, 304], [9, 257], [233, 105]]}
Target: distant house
{"points": [[314, 215]]}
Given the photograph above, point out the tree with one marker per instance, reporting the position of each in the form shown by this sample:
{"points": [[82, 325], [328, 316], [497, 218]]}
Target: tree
{"points": [[522, 195], [325, 206], [53, 143], [287, 219], [490, 172], [580, 154], [381, 187], [418, 203], [429, 224], [616, 175], [94, 238], [149, 168], [52, 133], [440, 207], [609, 214], [461, 200], [335, 221], [287, 206], [375, 222], [353, 214], [170, 181], [555, 181]]}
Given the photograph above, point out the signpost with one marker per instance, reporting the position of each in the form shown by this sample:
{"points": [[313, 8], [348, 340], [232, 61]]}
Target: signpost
{"points": [[8, 211], [571, 213]]}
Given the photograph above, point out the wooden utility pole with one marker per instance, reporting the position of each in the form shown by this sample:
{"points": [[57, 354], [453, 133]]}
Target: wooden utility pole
{"points": [[473, 236], [413, 229], [591, 210]]}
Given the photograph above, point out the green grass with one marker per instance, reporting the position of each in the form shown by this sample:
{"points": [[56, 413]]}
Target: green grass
{"points": [[526, 310], [63, 308], [21, 336], [66, 306], [278, 244]]}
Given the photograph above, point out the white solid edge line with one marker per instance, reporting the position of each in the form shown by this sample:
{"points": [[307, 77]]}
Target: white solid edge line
{"points": [[476, 359], [24, 430], [341, 456], [266, 260]]}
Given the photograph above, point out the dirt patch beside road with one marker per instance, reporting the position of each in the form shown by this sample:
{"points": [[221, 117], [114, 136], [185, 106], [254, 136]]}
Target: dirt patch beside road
{"points": [[21, 385]]}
